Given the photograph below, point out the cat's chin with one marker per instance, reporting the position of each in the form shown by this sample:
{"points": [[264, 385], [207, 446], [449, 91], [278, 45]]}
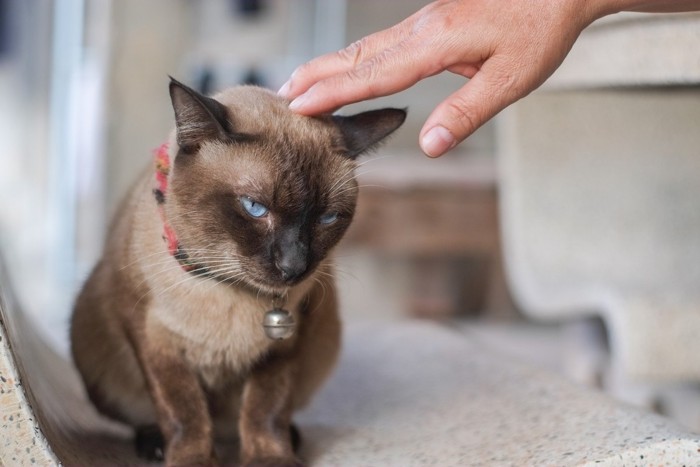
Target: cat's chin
{"points": [[254, 285], [265, 287], [276, 287]]}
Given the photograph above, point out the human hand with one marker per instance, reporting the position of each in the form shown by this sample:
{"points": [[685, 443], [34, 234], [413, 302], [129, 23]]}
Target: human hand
{"points": [[506, 48]]}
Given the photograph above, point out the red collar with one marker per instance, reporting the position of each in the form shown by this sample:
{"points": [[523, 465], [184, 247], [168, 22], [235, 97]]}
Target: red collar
{"points": [[162, 166]]}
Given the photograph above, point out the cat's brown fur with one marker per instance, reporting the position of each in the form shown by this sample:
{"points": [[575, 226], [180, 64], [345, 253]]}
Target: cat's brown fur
{"points": [[158, 345]]}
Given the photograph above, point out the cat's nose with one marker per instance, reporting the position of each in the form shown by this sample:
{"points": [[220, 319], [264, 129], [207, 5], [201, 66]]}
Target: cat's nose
{"points": [[291, 265]]}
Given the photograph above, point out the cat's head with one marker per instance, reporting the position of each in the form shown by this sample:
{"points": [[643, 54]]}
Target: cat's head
{"points": [[259, 194]]}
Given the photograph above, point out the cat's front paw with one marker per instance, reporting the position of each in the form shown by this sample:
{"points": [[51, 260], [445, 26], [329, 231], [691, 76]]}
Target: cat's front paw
{"points": [[149, 443], [183, 454], [191, 461], [274, 462]]}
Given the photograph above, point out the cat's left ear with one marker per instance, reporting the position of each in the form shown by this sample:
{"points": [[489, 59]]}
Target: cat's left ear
{"points": [[197, 118], [364, 131]]}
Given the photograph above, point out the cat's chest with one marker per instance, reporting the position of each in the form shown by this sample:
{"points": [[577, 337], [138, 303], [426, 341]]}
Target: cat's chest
{"points": [[219, 331]]}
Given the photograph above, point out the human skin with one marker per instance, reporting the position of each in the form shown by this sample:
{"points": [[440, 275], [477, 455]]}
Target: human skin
{"points": [[506, 48]]}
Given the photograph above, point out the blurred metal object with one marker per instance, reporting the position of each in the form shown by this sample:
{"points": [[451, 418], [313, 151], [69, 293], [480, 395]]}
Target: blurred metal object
{"points": [[279, 324]]}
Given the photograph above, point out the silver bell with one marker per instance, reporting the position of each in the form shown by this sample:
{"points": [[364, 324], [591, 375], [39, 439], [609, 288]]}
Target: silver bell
{"points": [[279, 324]]}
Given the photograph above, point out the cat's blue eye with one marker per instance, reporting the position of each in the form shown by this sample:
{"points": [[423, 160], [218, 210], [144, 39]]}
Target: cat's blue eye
{"points": [[253, 208], [328, 218]]}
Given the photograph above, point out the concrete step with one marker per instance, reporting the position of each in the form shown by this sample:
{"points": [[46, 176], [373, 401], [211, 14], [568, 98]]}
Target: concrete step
{"points": [[405, 393]]}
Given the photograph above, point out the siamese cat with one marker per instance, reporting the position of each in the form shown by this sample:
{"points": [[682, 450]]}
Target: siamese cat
{"points": [[229, 234]]}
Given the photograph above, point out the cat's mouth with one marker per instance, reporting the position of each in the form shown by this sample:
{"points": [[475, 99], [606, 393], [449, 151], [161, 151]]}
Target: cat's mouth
{"points": [[285, 282], [267, 285], [267, 277], [270, 288], [277, 280]]}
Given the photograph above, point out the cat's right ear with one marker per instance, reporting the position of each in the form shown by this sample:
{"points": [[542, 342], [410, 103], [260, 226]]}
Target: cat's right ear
{"points": [[197, 118], [364, 131]]}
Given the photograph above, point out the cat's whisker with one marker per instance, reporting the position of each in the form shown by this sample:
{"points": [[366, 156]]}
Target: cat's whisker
{"points": [[169, 265], [338, 188], [324, 273], [368, 171], [375, 159], [165, 261], [353, 172], [224, 272], [161, 292], [211, 282], [194, 213], [333, 194], [223, 277], [159, 252], [156, 274], [214, 261], [343, 192], [342, 178], [188, 277], [352, 175], [141, 258], [212, 255], [349, 275], [346, 253], [369, 185], [323, 295]]}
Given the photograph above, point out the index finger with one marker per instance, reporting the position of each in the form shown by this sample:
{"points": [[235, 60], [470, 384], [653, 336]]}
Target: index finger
{"points": [[387, 73], [343, 60]]}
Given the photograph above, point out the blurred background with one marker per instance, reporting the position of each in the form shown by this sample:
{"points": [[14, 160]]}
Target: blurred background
{"points": [[84, 100]]}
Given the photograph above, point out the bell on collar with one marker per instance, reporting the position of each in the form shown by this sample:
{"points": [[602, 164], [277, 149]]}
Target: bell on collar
{"points": [[279, 324]]}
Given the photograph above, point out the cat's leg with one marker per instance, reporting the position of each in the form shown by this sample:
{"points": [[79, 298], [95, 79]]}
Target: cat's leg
{"points": [[286, 383], [181, 404], [105, 358], [319, 341], [265, 419]]}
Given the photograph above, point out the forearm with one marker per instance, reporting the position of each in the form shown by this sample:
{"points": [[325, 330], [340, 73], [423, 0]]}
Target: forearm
{"points": [[606, 7], [667, 6]]}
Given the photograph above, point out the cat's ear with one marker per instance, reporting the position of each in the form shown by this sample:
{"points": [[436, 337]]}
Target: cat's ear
{"points": [[364, 131], [197, 118]]}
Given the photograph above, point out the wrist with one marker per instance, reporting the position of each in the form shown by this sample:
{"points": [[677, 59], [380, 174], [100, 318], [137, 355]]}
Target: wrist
{"points": [[596, 9], [599, 8]]}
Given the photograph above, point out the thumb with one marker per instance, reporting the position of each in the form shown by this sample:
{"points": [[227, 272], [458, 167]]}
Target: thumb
{"points": [[488, 92]]}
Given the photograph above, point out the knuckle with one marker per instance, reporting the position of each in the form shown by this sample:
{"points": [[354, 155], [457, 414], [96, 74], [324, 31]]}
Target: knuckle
{"points": [[369, 74], [463, 114], [508, 80], [436, 16], [362, 74], [303, 70], [354, 53], [508, 83]]}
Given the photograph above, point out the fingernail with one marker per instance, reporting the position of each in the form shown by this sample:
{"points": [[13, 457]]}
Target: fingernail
{"points": [[285, 88], [437, 141], [299, 102]]}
